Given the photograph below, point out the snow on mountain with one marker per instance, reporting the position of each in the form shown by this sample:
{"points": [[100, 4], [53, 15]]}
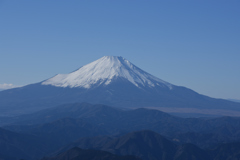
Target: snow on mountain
{"points": [[103, 71]]}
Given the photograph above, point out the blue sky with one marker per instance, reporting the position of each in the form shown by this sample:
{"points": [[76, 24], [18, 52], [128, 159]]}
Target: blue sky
{"points": [[195, 44]]}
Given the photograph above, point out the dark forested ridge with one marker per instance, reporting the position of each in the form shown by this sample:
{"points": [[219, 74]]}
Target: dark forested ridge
{"points": [[82, 154], [84, 119], [101, 127], [150, 145]]}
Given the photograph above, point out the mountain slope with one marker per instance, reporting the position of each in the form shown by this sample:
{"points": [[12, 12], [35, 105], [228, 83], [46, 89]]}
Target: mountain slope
{"points": [[229, 151], [104, 120], [140, 144], [77, 153], [112, 81], [15, 146], [65, 130], [147, 145]]}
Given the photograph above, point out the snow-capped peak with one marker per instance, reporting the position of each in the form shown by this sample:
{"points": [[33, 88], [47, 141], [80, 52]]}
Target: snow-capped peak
{"points": [[103, 71]]}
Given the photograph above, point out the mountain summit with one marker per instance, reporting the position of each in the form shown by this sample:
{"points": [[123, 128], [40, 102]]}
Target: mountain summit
{"points": [[104, 71], [116, 82]]}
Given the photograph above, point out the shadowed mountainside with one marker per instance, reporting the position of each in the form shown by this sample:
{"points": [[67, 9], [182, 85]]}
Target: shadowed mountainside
{"points": [[84, 119], [77, 153]]}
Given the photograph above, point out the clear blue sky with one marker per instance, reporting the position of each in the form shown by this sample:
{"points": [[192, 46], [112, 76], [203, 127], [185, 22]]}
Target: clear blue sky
{"points": [[191, 43]]}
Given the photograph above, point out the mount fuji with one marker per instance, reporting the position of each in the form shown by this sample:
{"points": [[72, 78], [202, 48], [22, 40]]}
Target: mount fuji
{"points": [[114, 81], [103, 72]]}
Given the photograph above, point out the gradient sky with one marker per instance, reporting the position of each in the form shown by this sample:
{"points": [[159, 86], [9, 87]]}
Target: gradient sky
{"points": [[191, 43]]}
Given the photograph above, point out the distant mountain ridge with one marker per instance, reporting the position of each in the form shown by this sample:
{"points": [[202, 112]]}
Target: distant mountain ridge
{"points": [[83, 154], [124, 132], [111, 81], [145, 144], [73, 121], [149, 145], [14, 146]]}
